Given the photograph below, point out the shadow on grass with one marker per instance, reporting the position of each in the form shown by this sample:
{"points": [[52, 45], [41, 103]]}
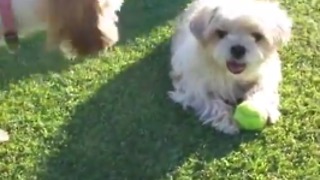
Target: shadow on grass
{"points": [[130, 130], [138, 17], [32, 58]]}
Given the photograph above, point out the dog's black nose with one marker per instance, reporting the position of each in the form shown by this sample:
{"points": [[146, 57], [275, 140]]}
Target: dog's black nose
{"points": [[238, 51]]}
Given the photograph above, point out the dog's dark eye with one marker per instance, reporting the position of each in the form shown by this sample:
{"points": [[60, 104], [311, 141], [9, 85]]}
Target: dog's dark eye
{"points": [[257, 36], [221, 34]]}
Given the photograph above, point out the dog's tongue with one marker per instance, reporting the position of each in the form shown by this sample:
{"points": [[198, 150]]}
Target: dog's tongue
{"points": [[235, 67]]}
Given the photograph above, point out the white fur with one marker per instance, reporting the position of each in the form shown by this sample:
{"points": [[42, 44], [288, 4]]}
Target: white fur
{"points": [[199, 74]]}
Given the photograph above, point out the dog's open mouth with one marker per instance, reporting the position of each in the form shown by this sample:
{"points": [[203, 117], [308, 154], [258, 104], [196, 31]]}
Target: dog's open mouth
{"points": [[236, 67]]}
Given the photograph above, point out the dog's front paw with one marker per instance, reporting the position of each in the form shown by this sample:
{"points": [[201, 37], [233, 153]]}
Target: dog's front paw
{"points": [[219, 116], [227, 126], [273, 115], [179, 97]]}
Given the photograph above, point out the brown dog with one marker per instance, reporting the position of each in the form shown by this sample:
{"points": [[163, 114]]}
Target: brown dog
{"points": [[83, 26]]}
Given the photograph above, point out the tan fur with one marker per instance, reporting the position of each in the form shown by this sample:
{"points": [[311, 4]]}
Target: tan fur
{"points": [[84, 26]]}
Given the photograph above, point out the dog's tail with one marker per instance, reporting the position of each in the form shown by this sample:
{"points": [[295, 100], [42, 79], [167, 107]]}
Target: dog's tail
{"points": [[85, 26]]}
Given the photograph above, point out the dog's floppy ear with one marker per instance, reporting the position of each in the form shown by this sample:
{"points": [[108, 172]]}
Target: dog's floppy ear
{"points": [[283, 31], [282, 27], [200, 22]]}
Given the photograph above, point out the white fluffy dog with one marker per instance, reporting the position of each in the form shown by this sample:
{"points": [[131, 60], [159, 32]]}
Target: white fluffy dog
{"points": [[224, 52]]}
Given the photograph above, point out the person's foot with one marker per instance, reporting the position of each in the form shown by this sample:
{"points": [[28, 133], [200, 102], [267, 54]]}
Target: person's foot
{"points": [[4, 136]]}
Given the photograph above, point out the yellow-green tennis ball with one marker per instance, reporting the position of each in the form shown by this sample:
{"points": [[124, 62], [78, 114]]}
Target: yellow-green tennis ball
{"points": [[249, 117]]}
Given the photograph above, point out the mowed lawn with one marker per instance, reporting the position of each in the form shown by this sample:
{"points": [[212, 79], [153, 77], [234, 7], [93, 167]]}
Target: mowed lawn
{"points": [[109, 117]]}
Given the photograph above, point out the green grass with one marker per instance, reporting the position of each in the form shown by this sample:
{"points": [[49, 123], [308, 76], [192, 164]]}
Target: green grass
{"points": [[110, 118]]}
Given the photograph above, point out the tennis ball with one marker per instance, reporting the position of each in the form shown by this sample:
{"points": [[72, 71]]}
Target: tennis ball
{"points": [[249, 117]]}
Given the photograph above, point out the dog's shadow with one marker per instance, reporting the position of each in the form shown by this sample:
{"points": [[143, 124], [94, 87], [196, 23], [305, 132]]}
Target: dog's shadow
{"points": [[130, 130], [139, 17], [136, 18], [31, 58]]}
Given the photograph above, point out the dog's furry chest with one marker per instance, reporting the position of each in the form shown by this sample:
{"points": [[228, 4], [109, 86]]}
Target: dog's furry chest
{"points": [[207, 85], [230, 90]]}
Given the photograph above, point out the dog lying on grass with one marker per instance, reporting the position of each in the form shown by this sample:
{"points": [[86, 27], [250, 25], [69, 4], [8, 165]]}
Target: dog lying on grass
{"points": [[224, 52]]}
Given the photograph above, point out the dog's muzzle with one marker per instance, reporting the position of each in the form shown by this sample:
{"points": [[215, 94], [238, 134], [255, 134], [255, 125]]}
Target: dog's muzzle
{"points": [[236, 65], [238, 51]]}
